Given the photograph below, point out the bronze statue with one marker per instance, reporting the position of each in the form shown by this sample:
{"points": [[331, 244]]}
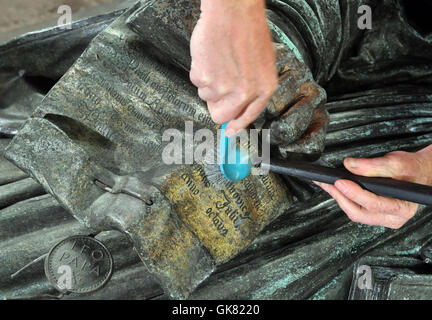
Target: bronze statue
{"points": [[94, 143]]}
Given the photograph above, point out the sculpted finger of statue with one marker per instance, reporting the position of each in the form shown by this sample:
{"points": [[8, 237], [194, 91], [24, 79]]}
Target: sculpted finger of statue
{"points": [[298, 119], [313, 139]]}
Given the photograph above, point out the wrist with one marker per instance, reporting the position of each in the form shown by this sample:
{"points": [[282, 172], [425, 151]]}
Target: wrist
{"points": [[210, 5]]}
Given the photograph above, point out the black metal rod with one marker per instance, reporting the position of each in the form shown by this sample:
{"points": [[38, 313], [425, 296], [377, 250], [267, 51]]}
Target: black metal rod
{"points": [[387, 187]]}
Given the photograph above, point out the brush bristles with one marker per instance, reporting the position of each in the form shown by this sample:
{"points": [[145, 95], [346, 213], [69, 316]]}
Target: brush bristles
{"points": [[215, 176]]}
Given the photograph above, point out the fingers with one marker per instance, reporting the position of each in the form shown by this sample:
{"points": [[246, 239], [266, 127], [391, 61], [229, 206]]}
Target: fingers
{"points": [[313, 140], [249, 115], [239, 103], [364, 207], [398, 165], [200, 80], [296, 125], [353, 210], [371, 202], [238, 106], [292, 124], [211, 94], [229, 106], [377, 167], [292, 74]]}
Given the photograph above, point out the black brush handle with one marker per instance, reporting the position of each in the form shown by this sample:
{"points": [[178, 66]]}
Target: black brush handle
{"points": [[387, 187]]}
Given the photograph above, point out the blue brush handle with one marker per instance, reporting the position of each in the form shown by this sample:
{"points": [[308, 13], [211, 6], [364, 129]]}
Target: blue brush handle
{"points": [[412, 192], [223, 146], [235, 163]]}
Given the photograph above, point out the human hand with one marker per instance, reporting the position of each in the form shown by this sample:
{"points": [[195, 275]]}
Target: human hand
{"points": [[365, 207], [233, 61]]}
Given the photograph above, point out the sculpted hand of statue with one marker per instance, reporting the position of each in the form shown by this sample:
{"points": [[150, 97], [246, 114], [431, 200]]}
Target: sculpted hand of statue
{"points": [[233, 66], [367, 208], [295, 113]]}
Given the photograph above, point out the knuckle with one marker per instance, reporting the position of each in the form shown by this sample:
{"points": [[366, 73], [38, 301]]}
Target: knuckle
{"points": [[398, 208], [374, 206], [319, 95], [193, 75], [356, 218], [315, 94], [208, 94], [203, 94], [245, 91], [407, 210], [397, 225], [218, 117], [222, 88], [244, 96], [199, 79], [322, 94], [407, 215], [353, 217]]}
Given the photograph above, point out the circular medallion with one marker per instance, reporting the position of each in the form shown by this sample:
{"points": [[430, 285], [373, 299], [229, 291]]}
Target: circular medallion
{"points": [[79, 264]]}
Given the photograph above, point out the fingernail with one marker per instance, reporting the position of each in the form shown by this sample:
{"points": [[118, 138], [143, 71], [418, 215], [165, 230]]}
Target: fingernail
{"points": [[323, 186], [342, 186], [352, 163], [230, 132]]}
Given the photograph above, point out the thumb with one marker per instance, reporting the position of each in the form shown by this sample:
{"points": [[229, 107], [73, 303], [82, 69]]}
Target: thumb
{"points": [[376, 167]]}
